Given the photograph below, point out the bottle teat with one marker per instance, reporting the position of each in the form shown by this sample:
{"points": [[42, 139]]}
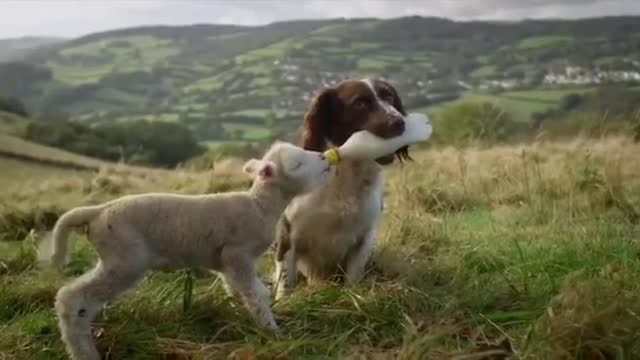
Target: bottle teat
{"points": [[333, 156]]}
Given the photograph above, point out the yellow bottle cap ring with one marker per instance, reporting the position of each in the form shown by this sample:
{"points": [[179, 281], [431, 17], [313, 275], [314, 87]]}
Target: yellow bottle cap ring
{"points": [[332, 156]]}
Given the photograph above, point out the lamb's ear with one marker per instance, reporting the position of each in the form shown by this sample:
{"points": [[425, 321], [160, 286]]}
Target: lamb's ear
{"points": [[263, 169], [267, 170], [251, 167]]}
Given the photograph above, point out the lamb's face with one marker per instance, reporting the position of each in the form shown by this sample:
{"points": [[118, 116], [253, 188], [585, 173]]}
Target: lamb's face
{"points": [[303, 170], [294, 169]]}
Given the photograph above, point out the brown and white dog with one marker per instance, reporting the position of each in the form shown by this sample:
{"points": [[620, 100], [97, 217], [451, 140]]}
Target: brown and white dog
{"points": [[332, 231]]}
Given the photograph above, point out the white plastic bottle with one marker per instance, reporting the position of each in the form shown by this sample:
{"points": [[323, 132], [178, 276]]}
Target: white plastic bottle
{"points": [[365, 145]]}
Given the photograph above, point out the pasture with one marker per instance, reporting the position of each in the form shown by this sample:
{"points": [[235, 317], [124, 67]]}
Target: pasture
{"points": [[520, 104], [17, 146], [530, 251], [537, 42], [88, 62]]}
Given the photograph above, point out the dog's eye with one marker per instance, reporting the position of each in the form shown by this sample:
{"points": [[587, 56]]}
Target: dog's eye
{"points": [[362, 103], [386, 96], [388, 99]]}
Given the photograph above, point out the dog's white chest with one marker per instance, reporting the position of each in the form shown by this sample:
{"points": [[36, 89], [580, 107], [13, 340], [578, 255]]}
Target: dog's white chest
{"points": [[372, 206]]}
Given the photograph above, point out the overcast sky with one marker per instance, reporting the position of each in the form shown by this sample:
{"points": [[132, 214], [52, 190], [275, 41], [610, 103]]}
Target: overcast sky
{"points": [[75, 18]]}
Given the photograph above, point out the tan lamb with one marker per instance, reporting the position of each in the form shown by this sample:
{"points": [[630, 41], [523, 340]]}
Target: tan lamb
{"points": [[223, 232]]}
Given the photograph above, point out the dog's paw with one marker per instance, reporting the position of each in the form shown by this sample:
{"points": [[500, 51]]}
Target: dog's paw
{"points": [[277, 332]]}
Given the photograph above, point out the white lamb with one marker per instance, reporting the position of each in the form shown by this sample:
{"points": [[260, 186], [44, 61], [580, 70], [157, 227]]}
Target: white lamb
{"points": [[222, 232]]}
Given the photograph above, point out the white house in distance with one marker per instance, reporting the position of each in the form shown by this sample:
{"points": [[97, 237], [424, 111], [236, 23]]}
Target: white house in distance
{"points": [[576, 75]]}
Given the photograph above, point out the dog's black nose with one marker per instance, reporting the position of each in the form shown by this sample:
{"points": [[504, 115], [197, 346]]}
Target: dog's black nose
{"points": [[397, 126]]}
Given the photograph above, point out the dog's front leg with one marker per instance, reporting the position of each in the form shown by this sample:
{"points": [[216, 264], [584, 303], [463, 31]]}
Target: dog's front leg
{"points": [[290, 274], [358, 257]]}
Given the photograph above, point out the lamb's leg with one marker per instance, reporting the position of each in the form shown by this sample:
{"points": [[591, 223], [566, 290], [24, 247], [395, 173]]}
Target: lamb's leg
{"points": [[358, 257], [231, 292], [226, 283], [240, 274], [80, 301]]}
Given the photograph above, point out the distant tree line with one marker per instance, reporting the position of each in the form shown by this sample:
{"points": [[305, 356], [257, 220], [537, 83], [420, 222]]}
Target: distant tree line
{"points": [[13, 105], [612, 100], [608, 110], [468, 122], [138, 142], [614, 108]]}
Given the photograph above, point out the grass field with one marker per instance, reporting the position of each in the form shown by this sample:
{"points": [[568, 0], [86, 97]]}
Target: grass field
{"points": [[12, 124], [166, 117], [130, 53], [530, 251], [520, 104], [547, 95], [520, 108], [372, 63], [16, 145], [249, 132], [21, 174], [52, 163], [484, 71], [259, 113], [537, 42], [79, 75], [213, 144]]}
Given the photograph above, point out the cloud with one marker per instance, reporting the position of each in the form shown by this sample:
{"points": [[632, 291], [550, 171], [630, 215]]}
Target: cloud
{"points": [[74, 18]]}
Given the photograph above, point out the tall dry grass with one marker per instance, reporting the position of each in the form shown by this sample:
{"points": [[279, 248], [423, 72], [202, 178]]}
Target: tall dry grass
{"points": [[449, 179], [526, 251]]}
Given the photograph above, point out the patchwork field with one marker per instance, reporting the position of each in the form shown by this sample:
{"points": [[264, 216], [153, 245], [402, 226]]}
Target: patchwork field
{"points": [[519, 104], [529, 251], [177, 71], [536, 42]]}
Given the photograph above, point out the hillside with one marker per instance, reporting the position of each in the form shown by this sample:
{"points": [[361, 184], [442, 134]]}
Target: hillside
{"points": [[17, 148], [17, 153], [12, 124], [17, 48], [238, 83], [12, 146]]}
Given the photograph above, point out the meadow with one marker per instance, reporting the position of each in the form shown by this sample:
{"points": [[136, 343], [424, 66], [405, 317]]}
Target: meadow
{"points": [[528, 251], [519, 104]]}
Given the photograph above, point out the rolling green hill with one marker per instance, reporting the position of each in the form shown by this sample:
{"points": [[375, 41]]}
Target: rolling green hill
{"points": [[238, 83], [18, 48], [521, 104], [12, 124], [17, 148]]}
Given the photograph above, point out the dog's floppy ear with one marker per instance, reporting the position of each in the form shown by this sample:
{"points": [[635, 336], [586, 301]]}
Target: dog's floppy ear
{"points": [[317, 120], [403, 153], [397, 102]]}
